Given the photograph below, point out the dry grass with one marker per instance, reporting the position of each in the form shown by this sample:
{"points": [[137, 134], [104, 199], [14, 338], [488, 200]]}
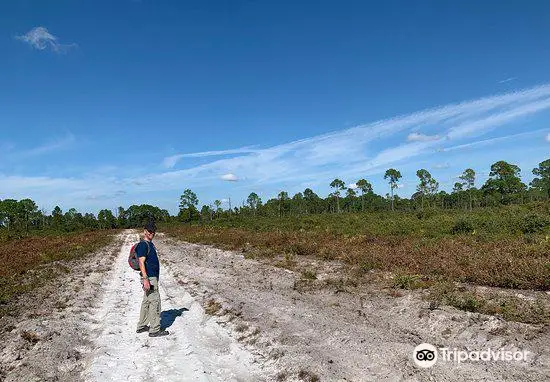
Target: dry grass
{"points": [[212, 307], [31, 337], [25, 260], [309, 275], [509, 307], [25, 254], [308, 376], [509, 262]]}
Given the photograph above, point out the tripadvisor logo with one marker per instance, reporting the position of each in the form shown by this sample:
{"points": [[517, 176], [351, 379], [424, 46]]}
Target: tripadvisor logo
{"points": [[425, 355]]}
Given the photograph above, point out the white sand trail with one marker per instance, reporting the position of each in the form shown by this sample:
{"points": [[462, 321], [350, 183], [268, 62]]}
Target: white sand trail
{"points": [[197, 349]]}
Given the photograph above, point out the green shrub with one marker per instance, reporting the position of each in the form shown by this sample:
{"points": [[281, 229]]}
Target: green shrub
{"points": [[407, 281], [466, 301], [534, 223], [462, 226], [309, 275], [427, 213]]}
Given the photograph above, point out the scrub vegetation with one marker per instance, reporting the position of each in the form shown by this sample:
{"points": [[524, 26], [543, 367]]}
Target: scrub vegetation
{"points": [[497, 235]]}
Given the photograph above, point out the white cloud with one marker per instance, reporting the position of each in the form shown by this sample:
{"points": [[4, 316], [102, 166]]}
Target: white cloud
{"points": [[81, 193], [442, 165], [51, 146], [47, 190], [507, 80], [548, 137], [106, 196], [417, 137], [351, 153], [396, 154], [39, 38], [11, 155], [353, 186], [170, 162], [229, 177], [487, 123], [492, 141]]}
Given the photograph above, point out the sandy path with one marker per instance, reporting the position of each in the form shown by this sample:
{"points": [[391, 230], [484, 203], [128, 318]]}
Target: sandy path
{"points": [[198, 349], [340, 332], [264, 323]]}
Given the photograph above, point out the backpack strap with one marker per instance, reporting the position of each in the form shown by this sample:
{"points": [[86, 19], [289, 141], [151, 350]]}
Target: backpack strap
{"points": [[148, 248]]}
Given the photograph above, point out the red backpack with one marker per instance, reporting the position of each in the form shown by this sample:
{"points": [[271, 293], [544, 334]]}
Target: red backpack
{"points": [[133, 260]]}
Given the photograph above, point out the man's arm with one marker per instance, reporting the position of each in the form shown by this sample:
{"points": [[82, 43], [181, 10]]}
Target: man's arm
{"points": [[146, 285]]}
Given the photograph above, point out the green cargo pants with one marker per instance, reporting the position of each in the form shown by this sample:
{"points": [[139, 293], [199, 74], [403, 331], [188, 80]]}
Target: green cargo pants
{"points": [[150, 307]]}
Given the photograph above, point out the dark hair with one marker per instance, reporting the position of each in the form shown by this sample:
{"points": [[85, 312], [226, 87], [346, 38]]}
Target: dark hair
{"points": [[150, 226]]}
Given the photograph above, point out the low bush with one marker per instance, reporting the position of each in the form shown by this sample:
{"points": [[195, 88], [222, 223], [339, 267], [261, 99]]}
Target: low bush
{"points": [[406, 281], [534, 223], [309, 275], [508, 262], [462, 226]]}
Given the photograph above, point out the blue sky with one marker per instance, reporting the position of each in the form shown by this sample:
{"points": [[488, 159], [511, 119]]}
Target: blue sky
{"points": [[108, 103]]}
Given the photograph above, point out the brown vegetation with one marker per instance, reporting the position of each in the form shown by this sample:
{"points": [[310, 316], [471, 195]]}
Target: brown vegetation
{"points": [[509, 262], [23, 259]]}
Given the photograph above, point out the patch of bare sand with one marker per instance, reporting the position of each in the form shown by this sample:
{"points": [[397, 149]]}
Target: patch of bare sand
{"points": [[333, 329], [42, 335]]}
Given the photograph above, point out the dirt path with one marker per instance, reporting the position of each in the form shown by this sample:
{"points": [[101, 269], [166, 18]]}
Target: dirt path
{"points": [[334, 331], [197, 349], [82, 328], [44, 335], [236, 319]]}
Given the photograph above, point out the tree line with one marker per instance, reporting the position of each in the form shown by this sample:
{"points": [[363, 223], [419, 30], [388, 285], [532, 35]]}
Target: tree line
{"points": [[23, 216], [504, 186]]}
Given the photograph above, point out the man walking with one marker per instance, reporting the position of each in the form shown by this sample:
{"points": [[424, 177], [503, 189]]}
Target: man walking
{"points": [[149, 317]]}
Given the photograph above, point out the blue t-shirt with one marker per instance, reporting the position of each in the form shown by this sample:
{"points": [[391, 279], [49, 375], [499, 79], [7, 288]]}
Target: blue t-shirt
{"points": [[151, 261]]}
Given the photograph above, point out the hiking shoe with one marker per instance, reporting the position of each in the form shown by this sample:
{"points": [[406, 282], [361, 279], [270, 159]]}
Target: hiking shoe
{"points": [[160, 333], [143, 329]]}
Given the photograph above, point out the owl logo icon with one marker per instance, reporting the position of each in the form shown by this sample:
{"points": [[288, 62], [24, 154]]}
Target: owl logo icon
{"points": [[425, 355]]}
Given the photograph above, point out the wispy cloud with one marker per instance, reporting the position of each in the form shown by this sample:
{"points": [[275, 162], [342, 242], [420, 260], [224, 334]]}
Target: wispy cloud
{"points": [[348, 154], [487, 123], [40, 38], [171, 161], [493, 141], [110, 196], [51, 146], [548, 137], [417, 137], [507, 80], [356, 151], [10, 153], [66, 192], [229, 177]]}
